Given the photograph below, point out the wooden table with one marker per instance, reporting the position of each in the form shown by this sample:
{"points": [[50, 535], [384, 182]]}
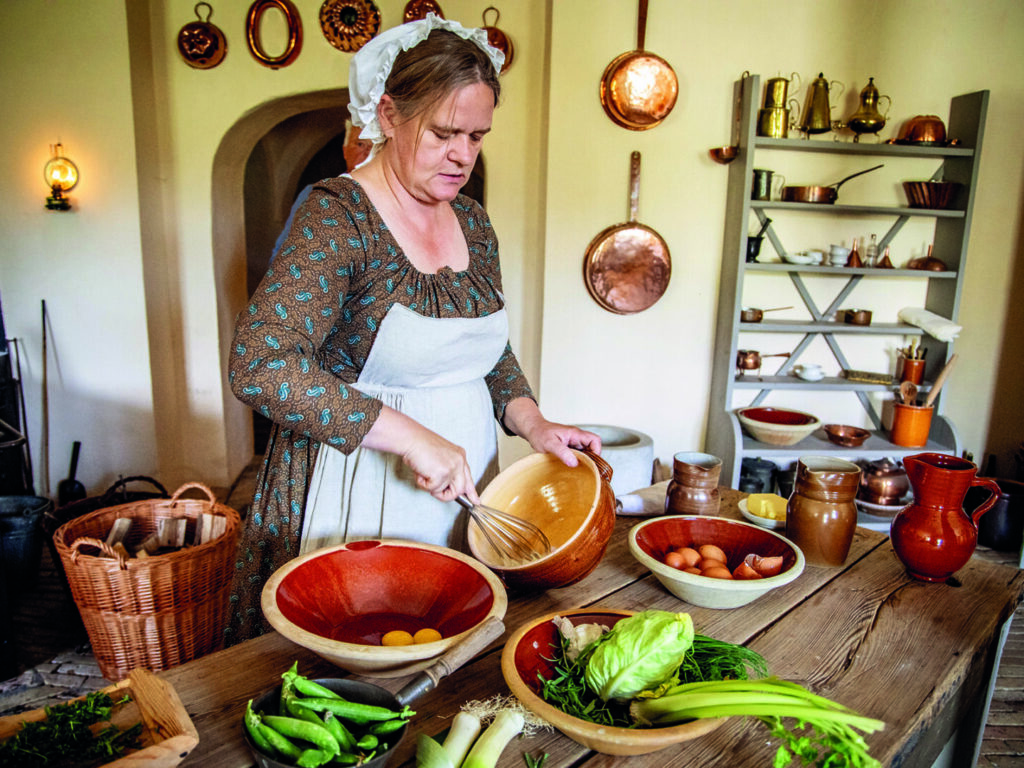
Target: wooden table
{"points": [[920, 657]]}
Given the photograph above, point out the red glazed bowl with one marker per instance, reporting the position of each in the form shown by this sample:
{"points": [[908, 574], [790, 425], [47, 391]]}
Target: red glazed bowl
{"points": [[652, 540], [574, 506], [777, 426], [338, 602], [528, 653]]}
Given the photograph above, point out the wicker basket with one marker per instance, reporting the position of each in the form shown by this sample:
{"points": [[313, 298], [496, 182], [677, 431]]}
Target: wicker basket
{"points": [[153, 612]]}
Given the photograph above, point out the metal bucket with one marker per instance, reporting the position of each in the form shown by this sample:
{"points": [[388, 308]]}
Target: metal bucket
{"points": [[21, 539]]}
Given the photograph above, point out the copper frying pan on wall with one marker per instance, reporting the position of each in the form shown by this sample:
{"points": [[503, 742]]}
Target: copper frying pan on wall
{"points": [[638, 88], [627, 266]]}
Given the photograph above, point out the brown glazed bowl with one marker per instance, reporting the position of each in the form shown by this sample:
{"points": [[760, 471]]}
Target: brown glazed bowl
{"points": [[332, 601], [528, 653], [846, 435], [777, 426], [574, 506]]}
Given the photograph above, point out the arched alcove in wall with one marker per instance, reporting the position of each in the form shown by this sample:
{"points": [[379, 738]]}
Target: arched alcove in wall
{"points": [[261, 164]]}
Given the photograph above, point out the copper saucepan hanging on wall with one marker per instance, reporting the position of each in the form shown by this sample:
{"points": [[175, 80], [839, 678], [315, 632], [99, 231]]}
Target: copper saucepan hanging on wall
{"points": [[627, 266], [498, 39], [638, 88]]}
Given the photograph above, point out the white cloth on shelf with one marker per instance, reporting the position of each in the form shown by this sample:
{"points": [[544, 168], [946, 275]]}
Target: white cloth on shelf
{"points": [[932, 324]]}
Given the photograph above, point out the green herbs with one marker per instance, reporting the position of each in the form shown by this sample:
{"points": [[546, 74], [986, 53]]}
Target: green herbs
{"points": [[65, 738]]}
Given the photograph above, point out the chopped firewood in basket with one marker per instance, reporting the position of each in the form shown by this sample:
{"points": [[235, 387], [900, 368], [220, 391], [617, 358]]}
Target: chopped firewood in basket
{"points": [[209, 527], [172, 532], [119, 530]]}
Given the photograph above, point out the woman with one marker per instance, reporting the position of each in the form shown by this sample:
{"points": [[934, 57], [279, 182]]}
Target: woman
{"points": [[378, 340]]}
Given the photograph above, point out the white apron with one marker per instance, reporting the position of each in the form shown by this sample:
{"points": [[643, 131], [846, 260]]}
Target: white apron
{"points": [[432, 370]]}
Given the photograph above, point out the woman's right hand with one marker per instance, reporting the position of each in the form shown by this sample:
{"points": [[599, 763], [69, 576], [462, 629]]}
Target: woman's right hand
{"points": [[440, 466]]}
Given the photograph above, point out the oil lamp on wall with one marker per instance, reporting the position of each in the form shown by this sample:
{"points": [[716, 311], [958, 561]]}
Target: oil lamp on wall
{"points": [[61, 175]]}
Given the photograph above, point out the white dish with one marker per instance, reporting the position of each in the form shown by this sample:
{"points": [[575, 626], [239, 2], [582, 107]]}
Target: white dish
{"points": [[882, 510], [764, 522], [797, 258]]}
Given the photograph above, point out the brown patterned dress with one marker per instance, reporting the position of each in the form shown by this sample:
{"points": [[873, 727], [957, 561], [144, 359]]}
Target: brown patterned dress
{"points": [[303, 340]]}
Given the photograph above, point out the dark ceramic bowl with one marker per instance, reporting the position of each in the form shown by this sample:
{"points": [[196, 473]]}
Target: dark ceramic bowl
{"points": [[361, 693], [777, 426], [339, 601], [846, 435], [528, 653], [651, 541]]}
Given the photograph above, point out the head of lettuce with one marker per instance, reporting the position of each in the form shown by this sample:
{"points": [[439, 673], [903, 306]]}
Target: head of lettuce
{"points": [[641, 652]]}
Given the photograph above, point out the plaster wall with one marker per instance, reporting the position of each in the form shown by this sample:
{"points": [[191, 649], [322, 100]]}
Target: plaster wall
{"points": [[651, 371]]}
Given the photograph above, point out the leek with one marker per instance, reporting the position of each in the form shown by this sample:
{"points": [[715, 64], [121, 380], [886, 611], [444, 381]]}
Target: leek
{"points": [[430, 754], [465, 728], [485, 752]]}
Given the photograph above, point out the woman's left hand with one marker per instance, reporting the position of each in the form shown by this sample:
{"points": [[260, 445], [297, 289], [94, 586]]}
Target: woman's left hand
{"points": [[525, 419]]}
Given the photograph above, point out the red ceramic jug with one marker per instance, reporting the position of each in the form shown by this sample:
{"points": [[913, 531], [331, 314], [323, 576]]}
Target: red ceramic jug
{"points": [[933, 536]]}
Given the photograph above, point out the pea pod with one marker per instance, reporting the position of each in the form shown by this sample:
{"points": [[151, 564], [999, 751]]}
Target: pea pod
{"points": [[305, 686], [368, 741], [252, 726], [280, 743], [357, 713], [345, 738], [305, 730], [388, 726], [313, 758]]}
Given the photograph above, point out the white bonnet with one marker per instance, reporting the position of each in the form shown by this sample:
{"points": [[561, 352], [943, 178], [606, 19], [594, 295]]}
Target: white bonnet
{"points": [[371, 66]]}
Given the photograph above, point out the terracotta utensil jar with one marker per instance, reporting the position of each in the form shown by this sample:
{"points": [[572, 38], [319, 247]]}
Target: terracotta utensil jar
{"points": [[821, 515], [933, 536], [693, 489]]}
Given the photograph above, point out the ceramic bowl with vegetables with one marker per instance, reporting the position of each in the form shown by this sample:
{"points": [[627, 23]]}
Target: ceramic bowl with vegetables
{"points": [[381, 607], [529, 655], [625, 683], [715, 562]]}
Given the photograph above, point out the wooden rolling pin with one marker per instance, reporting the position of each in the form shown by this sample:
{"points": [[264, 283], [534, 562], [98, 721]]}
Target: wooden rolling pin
{"points": [[939, 381]]}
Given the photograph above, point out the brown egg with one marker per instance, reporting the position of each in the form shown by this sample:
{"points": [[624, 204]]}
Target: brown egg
{"points": [[693, 569], [690, 555], [716, 572], [675, 560], [711, 552], [766, 566], [710, 563]]}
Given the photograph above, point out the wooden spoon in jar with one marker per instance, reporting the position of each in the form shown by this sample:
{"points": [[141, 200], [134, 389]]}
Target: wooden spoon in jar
{"points": [[908, 390]]}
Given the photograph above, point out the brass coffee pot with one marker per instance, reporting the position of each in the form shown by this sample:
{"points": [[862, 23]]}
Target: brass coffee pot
{"points": [[817, 115], [868, 118]]}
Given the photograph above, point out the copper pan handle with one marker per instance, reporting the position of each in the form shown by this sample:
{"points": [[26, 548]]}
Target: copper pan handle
{"points": [[634, 186], [641, 26]]}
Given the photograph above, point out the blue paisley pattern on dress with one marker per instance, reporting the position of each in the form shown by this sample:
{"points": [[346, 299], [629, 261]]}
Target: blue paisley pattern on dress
{"points": [[305, 336]]}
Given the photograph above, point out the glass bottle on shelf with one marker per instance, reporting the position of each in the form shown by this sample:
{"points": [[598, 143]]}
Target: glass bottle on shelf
{"points": [[871, 254]]}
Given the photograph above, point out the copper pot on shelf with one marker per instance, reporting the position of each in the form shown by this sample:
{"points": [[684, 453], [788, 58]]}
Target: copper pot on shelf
{"points": [[883, 482], [750, 359]]}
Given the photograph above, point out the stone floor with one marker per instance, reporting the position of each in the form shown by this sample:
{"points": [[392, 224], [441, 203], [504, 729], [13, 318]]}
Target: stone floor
{"points": [[55, 662]]}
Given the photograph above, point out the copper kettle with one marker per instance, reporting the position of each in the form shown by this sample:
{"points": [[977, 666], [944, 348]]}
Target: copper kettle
{"points": [[817, 114], [883, 482]]}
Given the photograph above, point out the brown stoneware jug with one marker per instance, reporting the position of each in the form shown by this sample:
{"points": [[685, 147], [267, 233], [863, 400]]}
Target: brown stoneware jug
{"points": [[693, 489], [821, 515], [933, 536]]}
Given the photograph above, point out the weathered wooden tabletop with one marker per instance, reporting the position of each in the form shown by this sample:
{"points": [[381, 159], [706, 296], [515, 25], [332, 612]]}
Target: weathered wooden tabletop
{"points": [[917, 656]]}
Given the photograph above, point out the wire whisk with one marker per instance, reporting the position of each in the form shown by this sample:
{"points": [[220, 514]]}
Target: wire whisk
{"points": [[512, 538]]}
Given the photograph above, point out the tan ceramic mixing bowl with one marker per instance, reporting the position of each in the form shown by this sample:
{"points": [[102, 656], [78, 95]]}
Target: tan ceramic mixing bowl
{"points": [[574, 506]]}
